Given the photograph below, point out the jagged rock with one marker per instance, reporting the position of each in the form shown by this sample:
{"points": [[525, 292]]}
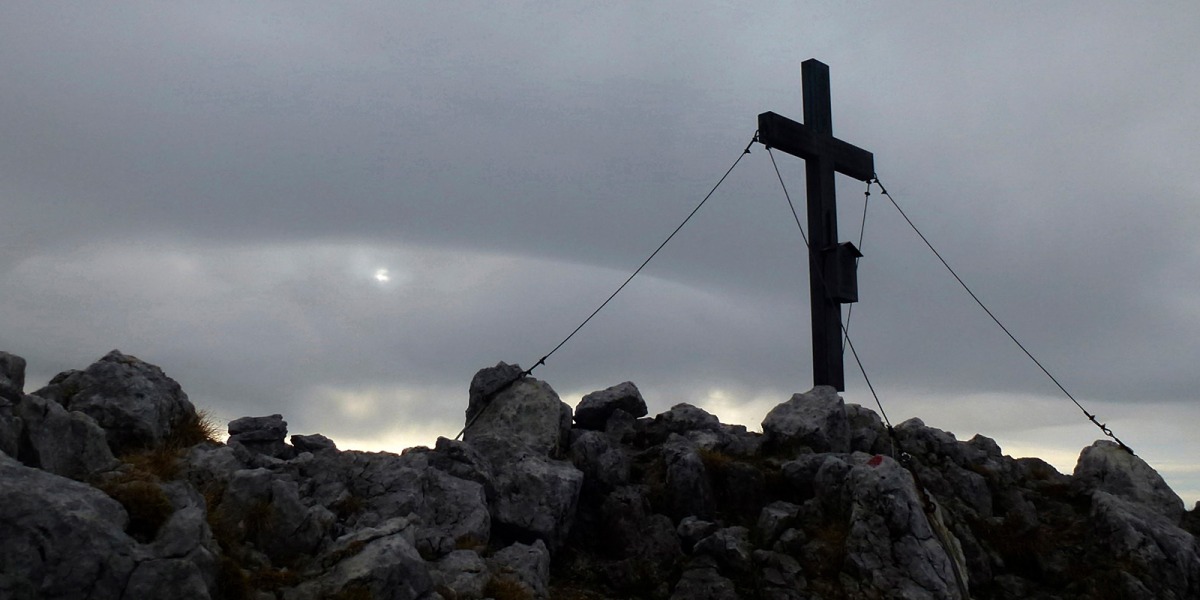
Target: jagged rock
{"points": [[379, 563], [1107, 467], [649, 560], [527, 410], [890, 546], [688, 490], [651, 508], [595, 408], [701, 581], [536, 496], [65, 443], [454, 514], [780, 575], [693, 529], [152, 577], [1161, 558], [12, 385], [262, 435], [815, 419], [267, 512], [525, 566], [10, 428], [311, 443], [12, 377], [211, 465], [685, 417], [621, 427], [135, 402], [952, 470], [61, 538], [867, 431], [365, 489], [602, 463], [729, 547], [623, 514], [186, 534], [487, 383], [774, 519], [461, 460], [460, 575]]}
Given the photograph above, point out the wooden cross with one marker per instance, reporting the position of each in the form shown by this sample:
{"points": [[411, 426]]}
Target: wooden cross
{"points": [[831, 275]]}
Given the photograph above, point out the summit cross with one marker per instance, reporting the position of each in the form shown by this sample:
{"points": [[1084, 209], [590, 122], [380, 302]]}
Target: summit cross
{"points": [[832, 279]]}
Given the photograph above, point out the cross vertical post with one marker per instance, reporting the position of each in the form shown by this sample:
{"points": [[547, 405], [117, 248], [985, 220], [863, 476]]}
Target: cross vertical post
{"points": [[829, 269]]}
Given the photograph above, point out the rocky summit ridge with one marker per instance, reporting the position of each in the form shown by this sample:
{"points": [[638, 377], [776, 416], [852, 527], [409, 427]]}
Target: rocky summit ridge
{"points": [[112, 486]]}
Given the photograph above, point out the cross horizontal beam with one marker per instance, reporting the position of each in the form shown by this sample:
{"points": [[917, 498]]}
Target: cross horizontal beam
{"points": [[797, 139]]}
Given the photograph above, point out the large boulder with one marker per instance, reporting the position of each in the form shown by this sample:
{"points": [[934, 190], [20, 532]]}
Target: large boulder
{"points": [[536, 497], [504, 404], [815, 419], [65, 443], [687, 489], [594, 410], [61, 539], [684, 418], [520, 571], [1108, 467], [262, 435], [267, 512], [12, 376], [1156, 557], [379, 562], [135, 402], [894, 546], [12, 382]]}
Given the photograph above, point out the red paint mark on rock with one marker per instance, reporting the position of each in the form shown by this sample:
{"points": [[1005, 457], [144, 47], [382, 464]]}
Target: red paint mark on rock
{"points": [[875, 460]]}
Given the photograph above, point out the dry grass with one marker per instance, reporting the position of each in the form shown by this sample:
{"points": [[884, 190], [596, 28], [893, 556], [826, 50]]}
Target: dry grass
{"points": [[199, 427], [506, 588], [146, 504]]}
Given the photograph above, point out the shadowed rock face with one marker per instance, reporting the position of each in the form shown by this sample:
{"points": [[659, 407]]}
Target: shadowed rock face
{"points": [[135, 402], [678, 506]]}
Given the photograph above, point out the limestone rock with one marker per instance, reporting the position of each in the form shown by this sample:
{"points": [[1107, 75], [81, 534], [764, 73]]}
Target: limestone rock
{"points": [[688, 490], [595, 408], [602, 463], [815, 419], [867, 431], [262, 435], [1163, 559], [684, 417], [135, 402], [12, 377], [536, 496], [70, 444], [10, 428], [312, 443], [1107, 467], [702, 581], [693, 529], [526, 409], [379, 563], [891, 547], [267, 512], [460, 575], [729, 547], [524, 566], [62, 538]]}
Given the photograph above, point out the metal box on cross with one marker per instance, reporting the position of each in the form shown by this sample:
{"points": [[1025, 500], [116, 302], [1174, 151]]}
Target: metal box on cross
{"points": [[841, 272]]}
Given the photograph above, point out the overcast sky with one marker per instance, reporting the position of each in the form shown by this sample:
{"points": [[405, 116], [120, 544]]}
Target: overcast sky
{"points": [[340, 211]]}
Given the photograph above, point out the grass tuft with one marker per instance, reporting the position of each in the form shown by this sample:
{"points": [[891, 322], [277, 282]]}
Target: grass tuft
{"points": [[506, 588]]}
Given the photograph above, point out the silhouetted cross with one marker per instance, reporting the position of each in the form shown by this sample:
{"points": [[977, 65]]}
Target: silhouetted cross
{"points": [[831, 276]]}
